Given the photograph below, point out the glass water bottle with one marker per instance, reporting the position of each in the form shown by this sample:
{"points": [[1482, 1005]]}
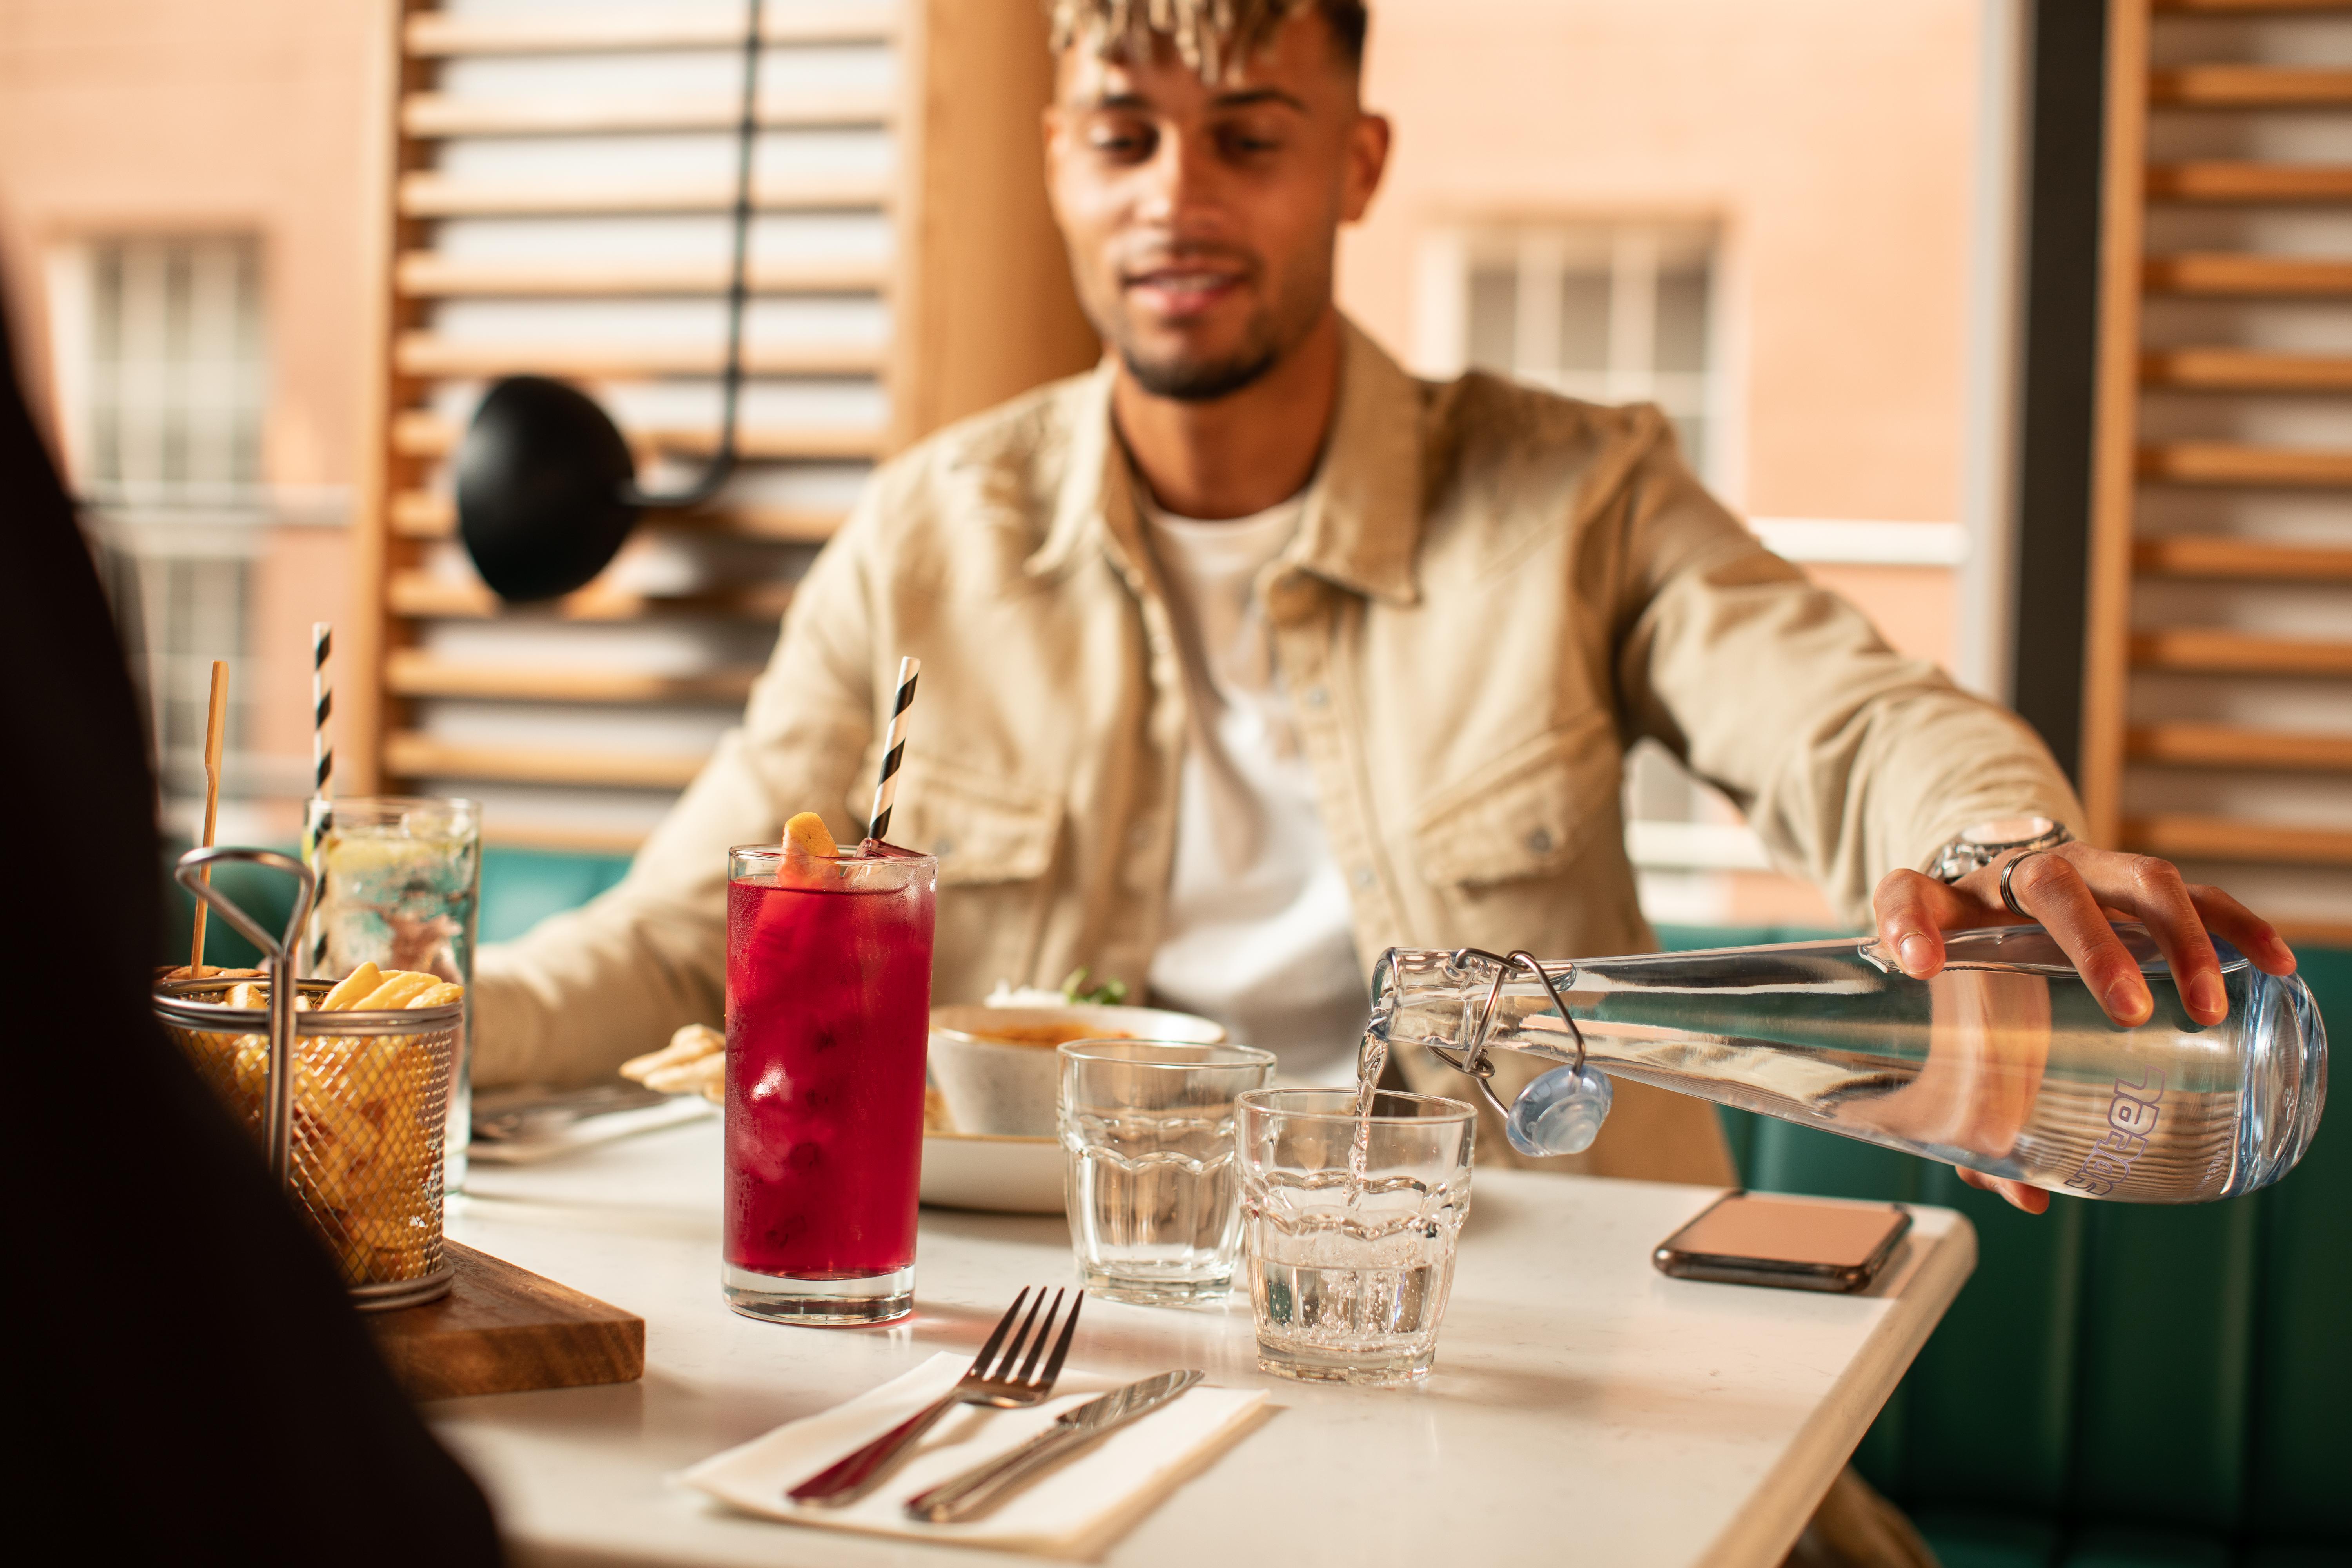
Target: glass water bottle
{"points": [[2002, 1061]]}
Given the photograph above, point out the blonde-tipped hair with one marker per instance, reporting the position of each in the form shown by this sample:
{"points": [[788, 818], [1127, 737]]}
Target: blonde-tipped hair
{"points": [[1213, 37]]}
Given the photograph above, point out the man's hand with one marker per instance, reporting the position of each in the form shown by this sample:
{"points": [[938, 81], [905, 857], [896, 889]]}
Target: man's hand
{"points": [[2074, 890]]}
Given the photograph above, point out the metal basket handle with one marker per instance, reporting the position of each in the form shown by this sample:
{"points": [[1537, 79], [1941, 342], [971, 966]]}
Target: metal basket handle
{"points": [[278, 961]]}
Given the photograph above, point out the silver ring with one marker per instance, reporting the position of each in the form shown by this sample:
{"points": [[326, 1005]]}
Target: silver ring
{"points": [[2007, 895]]}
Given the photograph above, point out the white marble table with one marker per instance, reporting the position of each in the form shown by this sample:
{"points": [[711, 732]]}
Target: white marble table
{"points": [[1583, 1409]]}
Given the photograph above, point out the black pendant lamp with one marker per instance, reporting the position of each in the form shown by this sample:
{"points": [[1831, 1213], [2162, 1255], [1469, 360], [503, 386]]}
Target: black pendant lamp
{"points": [[547, 489]]}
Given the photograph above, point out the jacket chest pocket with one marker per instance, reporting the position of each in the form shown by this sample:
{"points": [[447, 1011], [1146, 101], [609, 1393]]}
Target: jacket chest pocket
{"points": [[982, 830], [1531, 813]]}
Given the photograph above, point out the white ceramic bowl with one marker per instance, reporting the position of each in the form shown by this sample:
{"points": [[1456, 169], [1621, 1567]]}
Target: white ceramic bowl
{"points": [[1002, 1175], [997, 1088]]}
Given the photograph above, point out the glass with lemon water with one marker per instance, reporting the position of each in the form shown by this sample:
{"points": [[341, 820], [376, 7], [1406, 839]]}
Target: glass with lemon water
{"points": [[400, 884]]}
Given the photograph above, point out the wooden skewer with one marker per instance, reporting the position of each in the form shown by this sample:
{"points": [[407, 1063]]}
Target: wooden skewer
{"points": [[216, 734]]}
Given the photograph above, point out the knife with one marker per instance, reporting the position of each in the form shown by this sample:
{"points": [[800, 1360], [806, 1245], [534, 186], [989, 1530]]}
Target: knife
{"points": [[979, 1487]]}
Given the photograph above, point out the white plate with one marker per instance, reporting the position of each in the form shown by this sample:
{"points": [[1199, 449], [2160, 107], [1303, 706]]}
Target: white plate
{"points": [[1006, 1176]]}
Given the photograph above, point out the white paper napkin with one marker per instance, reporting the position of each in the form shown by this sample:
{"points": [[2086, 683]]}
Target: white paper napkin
{"points": [[1072, 1508]]}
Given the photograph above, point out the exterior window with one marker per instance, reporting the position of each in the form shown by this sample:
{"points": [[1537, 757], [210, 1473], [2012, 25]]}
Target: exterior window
{"points": [[1605, 311], [161, 375], [174, 374]]}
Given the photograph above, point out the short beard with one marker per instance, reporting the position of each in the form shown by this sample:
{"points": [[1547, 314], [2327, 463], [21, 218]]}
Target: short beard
{"points": [[1273, 333], [1186, 380]]}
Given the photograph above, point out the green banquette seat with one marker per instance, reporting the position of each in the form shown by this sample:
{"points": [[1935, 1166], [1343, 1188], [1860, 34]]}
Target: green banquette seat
{"points": [[520, 889]]}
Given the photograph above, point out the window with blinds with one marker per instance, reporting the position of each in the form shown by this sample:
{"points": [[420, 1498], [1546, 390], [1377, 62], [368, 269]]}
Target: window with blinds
{"points": [[561, 206], [1607, 312], [167, 373], [162, 372]]}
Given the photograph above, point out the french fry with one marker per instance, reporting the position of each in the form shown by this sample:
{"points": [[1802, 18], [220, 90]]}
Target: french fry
{"points": [[398, 987], [352, 987], [366, 1135]]}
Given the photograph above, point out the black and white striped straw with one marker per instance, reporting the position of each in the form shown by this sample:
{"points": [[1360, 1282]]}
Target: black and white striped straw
{"points": [[322, 768], [886, 789], [322, 708]]}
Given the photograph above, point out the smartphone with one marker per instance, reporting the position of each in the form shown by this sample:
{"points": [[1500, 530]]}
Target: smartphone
{"points": [[1796, 1244]]}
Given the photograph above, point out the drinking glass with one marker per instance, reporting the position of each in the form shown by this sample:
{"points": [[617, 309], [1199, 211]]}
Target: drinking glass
{"points": [[828, 1012], [1350, 1223], [1148, 1155], [400, 885]]}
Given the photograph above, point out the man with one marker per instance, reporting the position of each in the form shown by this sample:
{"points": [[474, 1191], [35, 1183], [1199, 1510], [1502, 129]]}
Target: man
{"points": [[1248, 655]]}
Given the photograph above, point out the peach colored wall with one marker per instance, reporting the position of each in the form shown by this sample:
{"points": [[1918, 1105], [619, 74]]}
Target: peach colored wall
{"points": [[1830, 138], [255, 116], [229, 114]]}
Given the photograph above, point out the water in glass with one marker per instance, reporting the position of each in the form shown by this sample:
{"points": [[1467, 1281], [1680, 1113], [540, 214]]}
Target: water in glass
{"points": [[1352, 1208], [1147, 1130]]}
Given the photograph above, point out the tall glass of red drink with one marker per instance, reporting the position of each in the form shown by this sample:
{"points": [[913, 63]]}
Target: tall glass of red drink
{"points": [[828, 1020]]}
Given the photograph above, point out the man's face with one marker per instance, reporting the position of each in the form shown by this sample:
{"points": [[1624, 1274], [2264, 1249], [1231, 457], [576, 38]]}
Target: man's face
{"points": [[1201, 219]]}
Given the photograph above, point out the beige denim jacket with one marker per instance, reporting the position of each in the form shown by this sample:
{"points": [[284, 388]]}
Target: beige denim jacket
{"points": [[1493, 594]]}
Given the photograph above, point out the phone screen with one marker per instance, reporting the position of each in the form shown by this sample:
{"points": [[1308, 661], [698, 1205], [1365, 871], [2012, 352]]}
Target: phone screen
{"points": [[1806, 1244], [1790, 1230]]}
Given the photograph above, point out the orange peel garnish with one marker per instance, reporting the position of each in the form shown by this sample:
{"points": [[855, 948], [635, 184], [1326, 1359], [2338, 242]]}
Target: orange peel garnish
{"points": [[807, 832], [808, 850]]}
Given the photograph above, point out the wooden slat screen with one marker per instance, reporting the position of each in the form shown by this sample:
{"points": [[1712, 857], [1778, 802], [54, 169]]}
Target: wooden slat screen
{"points": [[561, 175], [2218, 712]]}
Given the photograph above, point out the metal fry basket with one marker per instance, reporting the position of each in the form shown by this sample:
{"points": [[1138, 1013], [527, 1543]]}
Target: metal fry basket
{"points": [[350, 1109]]}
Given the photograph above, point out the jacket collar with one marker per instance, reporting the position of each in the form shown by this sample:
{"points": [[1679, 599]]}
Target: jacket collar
{"points": [[1362, 524], [1362, 520]]}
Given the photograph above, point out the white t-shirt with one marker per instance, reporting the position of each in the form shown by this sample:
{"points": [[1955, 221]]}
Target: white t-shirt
{"points": [[1258, 934]]}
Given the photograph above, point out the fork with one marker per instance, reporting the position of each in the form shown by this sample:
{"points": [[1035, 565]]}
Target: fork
{"points": [[1001, 1386]]}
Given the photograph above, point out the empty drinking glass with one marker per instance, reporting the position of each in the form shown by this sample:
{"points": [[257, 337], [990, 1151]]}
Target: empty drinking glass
{"points": [[1350, 1223], [1147, 1149]]}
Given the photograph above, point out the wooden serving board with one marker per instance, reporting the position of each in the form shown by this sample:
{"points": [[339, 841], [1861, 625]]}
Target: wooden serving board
{"points": [[502, 1330]]}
